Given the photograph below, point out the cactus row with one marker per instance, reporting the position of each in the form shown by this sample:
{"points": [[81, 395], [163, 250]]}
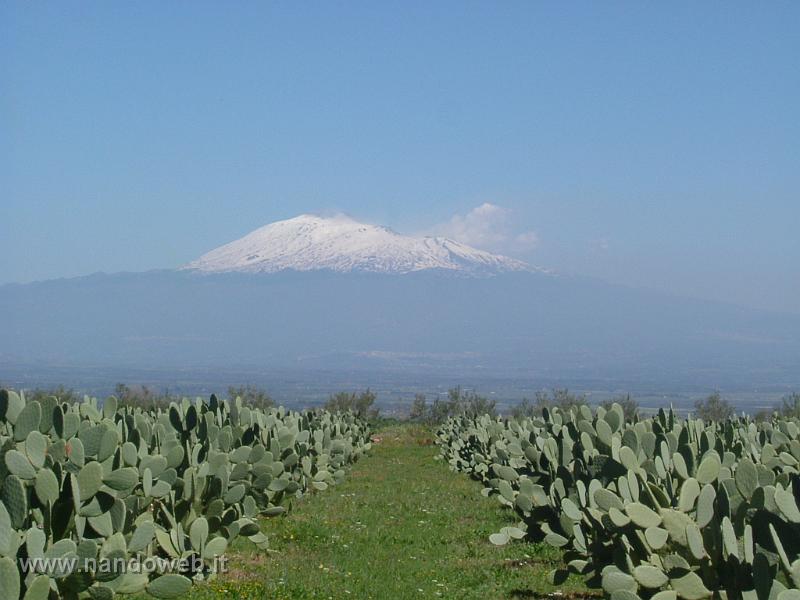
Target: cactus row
{"points": [[89, 481], [659, 508]]}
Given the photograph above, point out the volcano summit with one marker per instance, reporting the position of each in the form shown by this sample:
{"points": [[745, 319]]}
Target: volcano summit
{"points": [[342, 244]]}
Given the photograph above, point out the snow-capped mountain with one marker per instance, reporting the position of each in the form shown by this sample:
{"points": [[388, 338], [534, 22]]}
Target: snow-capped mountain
{"points": [[310, 242], [516, 324]]}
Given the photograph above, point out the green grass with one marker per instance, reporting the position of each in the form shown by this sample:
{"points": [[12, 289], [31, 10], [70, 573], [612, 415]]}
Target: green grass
{"points": [[401, 526]]}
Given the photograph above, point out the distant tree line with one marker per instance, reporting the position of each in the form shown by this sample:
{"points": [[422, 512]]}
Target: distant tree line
{"points": [[460, 403], [714, 408], [141, 396], [565, 400], [64, 394], [359, 403], [457, 402], [251, 396]]}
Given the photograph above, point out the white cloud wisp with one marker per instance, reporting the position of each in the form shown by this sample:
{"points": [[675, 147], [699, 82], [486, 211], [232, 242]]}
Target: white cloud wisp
{"points": [[488, 227]]}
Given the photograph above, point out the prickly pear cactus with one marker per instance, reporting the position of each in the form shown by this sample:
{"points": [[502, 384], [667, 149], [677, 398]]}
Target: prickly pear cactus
{"points": [[86, 481], [658, 508]]}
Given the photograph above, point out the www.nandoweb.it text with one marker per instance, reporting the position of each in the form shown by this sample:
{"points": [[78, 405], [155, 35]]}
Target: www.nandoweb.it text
{"points": [[64, 565]]}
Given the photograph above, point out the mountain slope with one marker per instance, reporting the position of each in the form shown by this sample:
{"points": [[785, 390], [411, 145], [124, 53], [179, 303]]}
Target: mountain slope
{"points": [[511, 325], [335, 300], [341, 244]]}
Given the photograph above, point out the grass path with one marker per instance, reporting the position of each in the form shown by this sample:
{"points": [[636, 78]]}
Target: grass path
{"points": [[401, 526]]}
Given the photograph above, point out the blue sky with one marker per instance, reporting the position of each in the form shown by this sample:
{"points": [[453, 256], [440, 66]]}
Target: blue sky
{"points": [[652, 145]]}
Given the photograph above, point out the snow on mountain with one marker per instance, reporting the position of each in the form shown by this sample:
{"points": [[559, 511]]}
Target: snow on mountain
{"points": [[310, 242]]}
